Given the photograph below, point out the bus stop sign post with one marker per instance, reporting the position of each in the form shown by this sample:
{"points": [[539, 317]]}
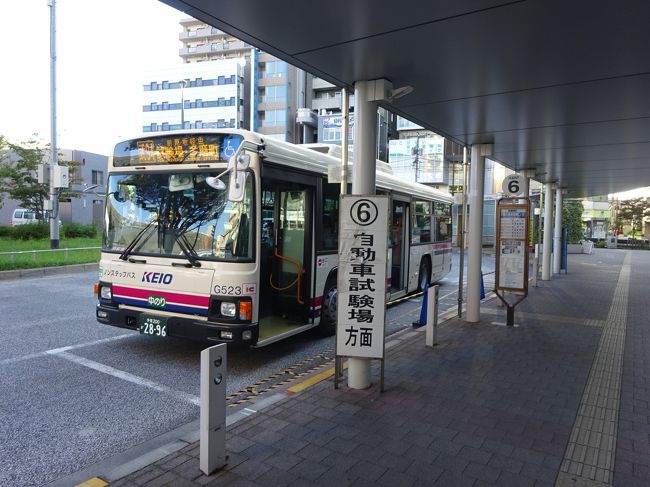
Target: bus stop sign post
{"points": [[212, 423], [361, 299], [512, 253]]}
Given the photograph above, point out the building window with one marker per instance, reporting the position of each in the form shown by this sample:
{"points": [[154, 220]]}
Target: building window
{"points": [[275, 117], [275, 69], [275, 94], [97, 177]]}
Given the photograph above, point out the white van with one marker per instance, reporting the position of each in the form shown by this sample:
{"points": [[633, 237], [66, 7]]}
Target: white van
{"points": [[21, 217]]}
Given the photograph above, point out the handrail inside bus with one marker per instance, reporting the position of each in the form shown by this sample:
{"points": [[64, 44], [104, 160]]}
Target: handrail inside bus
{"points": [[297, 280]]}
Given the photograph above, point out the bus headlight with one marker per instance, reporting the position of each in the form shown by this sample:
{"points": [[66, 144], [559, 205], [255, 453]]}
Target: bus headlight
{"points": [[228, 309], [106, 293]]}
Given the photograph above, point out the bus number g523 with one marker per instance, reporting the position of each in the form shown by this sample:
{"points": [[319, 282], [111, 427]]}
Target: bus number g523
{"points": [[227, 290]]}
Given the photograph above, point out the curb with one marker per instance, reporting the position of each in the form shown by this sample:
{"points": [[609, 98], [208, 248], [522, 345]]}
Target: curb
{"points": [[47, 271]]}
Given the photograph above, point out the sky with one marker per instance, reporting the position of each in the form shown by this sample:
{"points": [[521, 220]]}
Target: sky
{"points": [[105, 48]]}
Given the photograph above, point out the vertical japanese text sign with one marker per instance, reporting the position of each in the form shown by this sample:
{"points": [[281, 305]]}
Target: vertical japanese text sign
{"points": [[361, 298]]}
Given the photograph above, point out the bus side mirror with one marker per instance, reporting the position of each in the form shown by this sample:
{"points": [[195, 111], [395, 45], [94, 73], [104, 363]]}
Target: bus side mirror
{"points": [[238, 165]]}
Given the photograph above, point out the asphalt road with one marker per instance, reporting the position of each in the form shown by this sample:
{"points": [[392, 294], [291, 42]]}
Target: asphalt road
{"points": [[74, 392]]}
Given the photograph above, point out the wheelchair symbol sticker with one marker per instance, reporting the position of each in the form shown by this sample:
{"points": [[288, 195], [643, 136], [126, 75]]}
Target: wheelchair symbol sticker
{"points": [[228, 150]]}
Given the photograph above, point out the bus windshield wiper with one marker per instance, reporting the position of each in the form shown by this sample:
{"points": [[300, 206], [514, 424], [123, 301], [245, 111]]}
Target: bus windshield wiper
{"points": [[129, 248], [187, 249]]}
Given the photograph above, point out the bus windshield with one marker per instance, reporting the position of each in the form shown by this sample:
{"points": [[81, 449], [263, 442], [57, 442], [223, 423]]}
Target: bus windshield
{"points": [[181, 211]]}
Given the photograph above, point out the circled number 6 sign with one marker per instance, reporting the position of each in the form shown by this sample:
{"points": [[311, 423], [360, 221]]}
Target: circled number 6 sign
{"points": [[513, 185], [364, 212]]}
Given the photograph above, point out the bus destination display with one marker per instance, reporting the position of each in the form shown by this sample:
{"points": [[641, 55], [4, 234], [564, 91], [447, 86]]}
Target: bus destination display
{"points": [[176, 150]]}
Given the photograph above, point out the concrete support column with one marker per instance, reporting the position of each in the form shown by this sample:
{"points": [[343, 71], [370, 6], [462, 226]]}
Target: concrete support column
{"points": [[475, 232], [548, 232], [557, 235], [364, 171]]}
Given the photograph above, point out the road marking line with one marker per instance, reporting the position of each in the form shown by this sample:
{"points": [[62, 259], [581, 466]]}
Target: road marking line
{"points": [[63, 349], [94, 482], [134, 379]]}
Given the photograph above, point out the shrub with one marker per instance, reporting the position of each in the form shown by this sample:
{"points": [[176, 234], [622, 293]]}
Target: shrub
{"points": [[6, 231], [75, 230], [601, 244], [30, 231]]}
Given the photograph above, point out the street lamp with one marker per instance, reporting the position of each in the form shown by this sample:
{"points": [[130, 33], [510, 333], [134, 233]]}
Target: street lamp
{"points": [[183, 84]]}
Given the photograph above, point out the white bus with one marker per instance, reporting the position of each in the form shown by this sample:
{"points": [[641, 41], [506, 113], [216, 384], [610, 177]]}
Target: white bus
{"points": [[231, 236]]}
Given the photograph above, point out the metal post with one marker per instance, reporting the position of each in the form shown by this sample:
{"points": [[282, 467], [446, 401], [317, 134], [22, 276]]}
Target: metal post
{"points": [[212, 422], [431, 330], [345, 127], [54, 195], [461, 234], [363, 183], [510, 316], [548, 233], [535, 265], [475, 231], [557, 234]]}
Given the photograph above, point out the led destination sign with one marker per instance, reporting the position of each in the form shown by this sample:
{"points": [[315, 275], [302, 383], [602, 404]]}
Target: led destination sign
{"points": [[177, 149]]}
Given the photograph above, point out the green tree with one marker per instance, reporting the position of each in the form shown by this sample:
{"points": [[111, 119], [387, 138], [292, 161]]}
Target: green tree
{"points": [[18, 174], [634, 211], [18, 177], [572, 219]]}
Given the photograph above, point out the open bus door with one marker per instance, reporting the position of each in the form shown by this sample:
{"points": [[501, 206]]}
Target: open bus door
{"points": [[285, 270], [399, 248]]}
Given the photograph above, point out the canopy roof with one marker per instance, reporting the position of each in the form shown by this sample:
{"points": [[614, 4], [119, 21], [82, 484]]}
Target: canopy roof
{"points": [[561, 87]]}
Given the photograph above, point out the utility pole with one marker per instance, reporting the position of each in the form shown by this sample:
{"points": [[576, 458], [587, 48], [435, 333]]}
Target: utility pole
{"points": [[416, 162], [53, 205]]}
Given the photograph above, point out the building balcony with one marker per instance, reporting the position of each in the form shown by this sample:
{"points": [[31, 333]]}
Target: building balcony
{"points": [[271, 129], [271, 105], [321, 84], [329, 103], [272, 81], [203, 33], [214, 48]]}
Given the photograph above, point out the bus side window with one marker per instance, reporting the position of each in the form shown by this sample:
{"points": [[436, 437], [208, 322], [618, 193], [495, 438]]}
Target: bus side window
{"points": [[330, 222]]}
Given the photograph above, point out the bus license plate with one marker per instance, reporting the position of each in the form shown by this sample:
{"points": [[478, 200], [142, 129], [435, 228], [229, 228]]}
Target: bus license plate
{"points": [[153, 325]]}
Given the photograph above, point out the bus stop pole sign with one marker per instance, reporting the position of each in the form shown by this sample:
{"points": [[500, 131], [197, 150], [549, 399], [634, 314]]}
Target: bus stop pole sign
{"points": [[361, 302], [511, 283]]}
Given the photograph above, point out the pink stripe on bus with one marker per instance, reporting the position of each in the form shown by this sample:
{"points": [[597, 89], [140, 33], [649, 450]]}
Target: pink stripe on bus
{"points": [[189, 299]]}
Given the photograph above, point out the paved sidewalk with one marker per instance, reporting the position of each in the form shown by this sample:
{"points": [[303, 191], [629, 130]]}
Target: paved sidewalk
{"points": [[561, 399]]}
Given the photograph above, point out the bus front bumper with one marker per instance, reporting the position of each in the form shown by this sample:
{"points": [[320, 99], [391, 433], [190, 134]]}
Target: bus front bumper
{"points": [[180, 327]]}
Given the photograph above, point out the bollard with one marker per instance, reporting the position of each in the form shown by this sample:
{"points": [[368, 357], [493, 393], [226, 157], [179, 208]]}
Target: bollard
{"points": [[423, 310], [431, 331], [212, 423]]}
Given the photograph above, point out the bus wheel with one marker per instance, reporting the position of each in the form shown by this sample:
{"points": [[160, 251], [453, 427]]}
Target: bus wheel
{"points": [[425, 274], [327, 326]]}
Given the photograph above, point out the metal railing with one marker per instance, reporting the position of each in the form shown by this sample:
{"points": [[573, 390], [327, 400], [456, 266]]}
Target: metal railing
{"points": [[12, 255]]}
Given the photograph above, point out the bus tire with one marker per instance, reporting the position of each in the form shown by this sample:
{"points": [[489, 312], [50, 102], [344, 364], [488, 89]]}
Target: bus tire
{"points": [[327, 326], [424, 276]]}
